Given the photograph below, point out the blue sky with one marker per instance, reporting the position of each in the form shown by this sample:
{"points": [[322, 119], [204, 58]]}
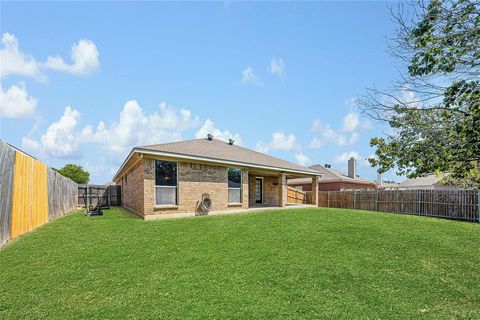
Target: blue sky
{"points": [[84, 82]]}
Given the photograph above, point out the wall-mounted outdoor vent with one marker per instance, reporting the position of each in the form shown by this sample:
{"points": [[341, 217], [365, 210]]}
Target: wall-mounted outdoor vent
{"points": [[209, 137], [328, 166], [231, 141]]}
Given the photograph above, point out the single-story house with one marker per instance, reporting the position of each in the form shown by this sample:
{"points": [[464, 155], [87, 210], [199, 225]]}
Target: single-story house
{"points": [[429, 182], [334, 180], [170, 178]]}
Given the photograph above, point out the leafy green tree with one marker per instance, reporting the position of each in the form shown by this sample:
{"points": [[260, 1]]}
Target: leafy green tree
{"points": [[433, 110], [75, 172]]}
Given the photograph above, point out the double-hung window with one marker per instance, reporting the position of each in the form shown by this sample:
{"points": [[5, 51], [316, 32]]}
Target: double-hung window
{"points": [[234, 185], [166, 183]]}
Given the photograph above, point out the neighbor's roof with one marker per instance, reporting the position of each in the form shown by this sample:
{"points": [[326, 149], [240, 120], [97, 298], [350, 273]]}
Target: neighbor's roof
{"points": [[330, 175], [218, 151], [428, 180]]}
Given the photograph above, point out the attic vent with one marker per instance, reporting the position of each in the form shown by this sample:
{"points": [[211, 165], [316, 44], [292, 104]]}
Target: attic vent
{"points": [[209, 137], [328, 166], [231, 141]]}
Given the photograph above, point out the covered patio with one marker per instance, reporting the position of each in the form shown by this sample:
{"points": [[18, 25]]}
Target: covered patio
{"points": [[270, 189]]}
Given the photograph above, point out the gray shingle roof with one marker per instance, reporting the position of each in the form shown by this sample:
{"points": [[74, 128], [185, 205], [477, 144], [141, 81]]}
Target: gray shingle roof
{"points": [[218, 151], [428, 180], [329, 174]]}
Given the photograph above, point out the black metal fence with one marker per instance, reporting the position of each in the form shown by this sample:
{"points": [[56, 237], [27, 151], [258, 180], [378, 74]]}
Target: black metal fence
{"points": [[91, 195]]}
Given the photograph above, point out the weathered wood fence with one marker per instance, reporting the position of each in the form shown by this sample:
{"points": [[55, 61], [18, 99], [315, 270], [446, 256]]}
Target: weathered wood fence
{"points": [[295, 196], [31, 194], [90, 195], [451, 204]]}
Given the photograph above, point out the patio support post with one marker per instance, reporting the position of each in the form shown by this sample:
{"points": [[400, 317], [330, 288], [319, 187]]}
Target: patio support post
{"points": [[315, 191], [282, 189]]}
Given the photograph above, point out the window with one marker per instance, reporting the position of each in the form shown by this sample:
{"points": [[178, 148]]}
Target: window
{"points": [[234, 185], [165, 182]]}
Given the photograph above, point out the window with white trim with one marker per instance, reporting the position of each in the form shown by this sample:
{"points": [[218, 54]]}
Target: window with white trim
{"points": [[234, 185], [166, 183]]}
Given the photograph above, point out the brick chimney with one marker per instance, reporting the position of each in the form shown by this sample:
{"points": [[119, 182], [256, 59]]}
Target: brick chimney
{"points": [[352, 168]]}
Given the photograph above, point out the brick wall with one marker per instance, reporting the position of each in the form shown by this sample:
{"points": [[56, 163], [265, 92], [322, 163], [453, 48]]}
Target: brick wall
{"points": [[194, 179], [132, 189], [271, 190]]}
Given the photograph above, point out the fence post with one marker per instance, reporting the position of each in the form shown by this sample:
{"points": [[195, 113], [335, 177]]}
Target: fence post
{"points": [[354, 198], [88, 198], [328, 199], [478, 205], [376, 201]]}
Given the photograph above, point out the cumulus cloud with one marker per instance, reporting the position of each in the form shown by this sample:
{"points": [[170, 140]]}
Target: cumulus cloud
{"points": [[134, 127], [347, 134], [302, 159], [84, 55], [224, 135], [343, 157], [60, 140], [15, 102], [250, 78], [277, 68], [280, 141], [14, 61]]}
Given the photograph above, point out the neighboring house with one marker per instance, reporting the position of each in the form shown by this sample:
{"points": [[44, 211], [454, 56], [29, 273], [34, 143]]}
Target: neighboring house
{"points": [[171, 178], [333, 180], [429, 182]]}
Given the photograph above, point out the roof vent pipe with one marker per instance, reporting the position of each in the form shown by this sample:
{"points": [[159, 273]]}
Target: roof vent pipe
{"points": [[209, 137], [231, 141], [328, 166]]}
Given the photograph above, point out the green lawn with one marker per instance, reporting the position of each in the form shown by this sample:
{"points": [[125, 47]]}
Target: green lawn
{"points": [[306, 263]]}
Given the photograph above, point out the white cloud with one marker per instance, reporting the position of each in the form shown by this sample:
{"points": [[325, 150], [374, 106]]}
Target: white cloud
{"points": [[60, 140], [209, 128], [351, 102], [279, 141], [134, 127], [343, 157], [277, 68], [14, 61], [15, 102], [351, 121], [250, 78], [347, 134], [302, 159], [84, 55], [327, 135]]}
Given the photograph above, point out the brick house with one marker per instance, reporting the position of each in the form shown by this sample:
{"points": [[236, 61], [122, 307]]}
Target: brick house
{"points": [[170, 178], [333, 180]]}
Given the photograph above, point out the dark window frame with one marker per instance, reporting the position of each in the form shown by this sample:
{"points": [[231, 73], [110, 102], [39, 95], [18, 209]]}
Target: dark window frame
{"points": [[168, 181]]}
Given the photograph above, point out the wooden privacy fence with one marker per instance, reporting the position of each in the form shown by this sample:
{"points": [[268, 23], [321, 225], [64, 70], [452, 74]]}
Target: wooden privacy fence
{"points": [[92, 194], [31, 194], [295, 196], [451, 204]]}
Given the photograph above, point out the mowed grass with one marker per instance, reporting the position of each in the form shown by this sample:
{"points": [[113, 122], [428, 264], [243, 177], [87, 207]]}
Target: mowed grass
{"points": [[304, 263]]}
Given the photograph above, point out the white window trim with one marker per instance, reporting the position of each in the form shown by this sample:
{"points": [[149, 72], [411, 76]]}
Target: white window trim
{"points": [[241, 187], [155, 188]]}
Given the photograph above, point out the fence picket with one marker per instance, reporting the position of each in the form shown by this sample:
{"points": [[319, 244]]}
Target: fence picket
{"points": [[451, 204]]}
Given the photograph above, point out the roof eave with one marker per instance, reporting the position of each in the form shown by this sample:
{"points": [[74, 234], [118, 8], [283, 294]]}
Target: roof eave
{"points": [[311, 173]]}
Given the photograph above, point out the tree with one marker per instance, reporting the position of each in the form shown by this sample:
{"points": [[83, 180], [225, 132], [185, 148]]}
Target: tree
{"points": [[433, 108], [75, 172]]}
